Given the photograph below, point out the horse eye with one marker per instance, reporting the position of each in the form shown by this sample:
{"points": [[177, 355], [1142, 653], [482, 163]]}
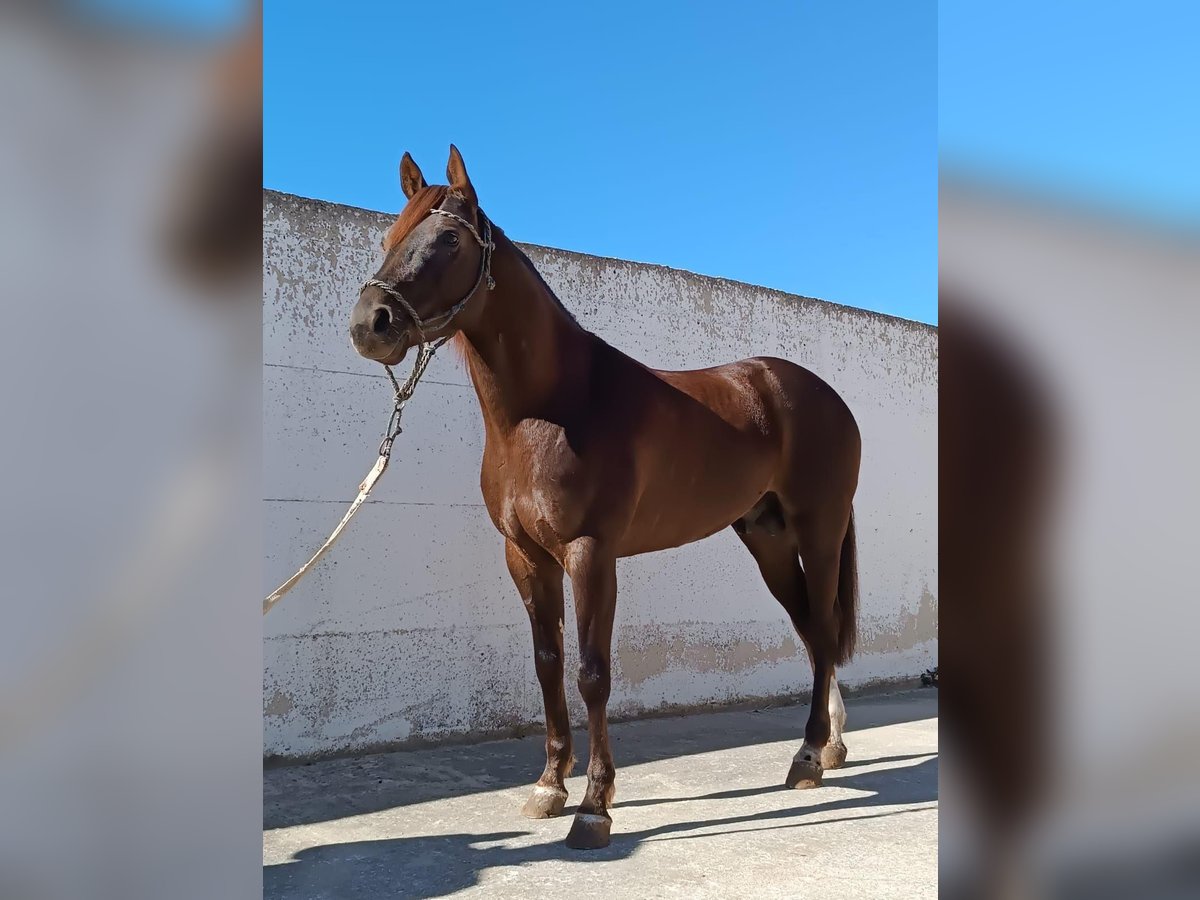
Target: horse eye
{"points": [[451, 238]]}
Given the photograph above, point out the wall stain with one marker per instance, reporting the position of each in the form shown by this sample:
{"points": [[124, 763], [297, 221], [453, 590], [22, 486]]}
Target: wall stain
{"points": [[660, 651], [909, 630], [280, 704]]}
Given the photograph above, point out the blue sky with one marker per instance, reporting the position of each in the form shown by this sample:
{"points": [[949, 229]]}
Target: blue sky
{"points": [[1092, 102], [792, 145]]}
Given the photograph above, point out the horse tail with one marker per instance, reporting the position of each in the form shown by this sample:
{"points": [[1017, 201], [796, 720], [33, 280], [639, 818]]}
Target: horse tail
{"points": [[847, 595]]}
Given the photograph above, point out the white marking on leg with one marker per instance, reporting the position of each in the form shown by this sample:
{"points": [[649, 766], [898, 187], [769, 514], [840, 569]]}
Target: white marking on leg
{"points": [[837, 711]]}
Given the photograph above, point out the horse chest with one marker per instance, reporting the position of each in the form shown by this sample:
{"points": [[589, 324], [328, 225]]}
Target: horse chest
{"points": [[532, 488]]}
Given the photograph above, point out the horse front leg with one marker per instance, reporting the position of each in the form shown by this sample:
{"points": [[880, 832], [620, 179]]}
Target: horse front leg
{"points": [[593, 573], [539, 580]]}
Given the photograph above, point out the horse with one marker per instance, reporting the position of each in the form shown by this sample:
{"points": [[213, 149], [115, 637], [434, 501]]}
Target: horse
{"points": [[590, 456]]}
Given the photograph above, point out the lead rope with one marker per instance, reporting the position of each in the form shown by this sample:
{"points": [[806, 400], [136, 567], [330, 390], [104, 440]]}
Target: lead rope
{"points": [[403, 394]]}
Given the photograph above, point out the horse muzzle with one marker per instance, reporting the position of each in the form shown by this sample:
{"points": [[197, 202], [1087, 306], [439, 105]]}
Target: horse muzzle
{"points": [[376, 334]]}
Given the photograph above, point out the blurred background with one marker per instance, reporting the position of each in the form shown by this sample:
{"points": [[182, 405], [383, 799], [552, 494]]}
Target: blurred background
{"points": [[1070, 275], [130, 172], [130, 657]]}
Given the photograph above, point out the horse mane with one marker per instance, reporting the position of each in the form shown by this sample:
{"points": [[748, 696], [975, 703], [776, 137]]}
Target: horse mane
{"points": [[459, 341], [414, 213], [542, 281]]}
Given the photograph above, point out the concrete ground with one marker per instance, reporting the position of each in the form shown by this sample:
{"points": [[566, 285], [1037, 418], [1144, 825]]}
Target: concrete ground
{"points": [[701, 811]]}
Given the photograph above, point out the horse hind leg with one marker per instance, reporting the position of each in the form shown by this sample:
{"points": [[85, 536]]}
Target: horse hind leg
{"points": [[833, 754], [772, 543], [822, 543]]}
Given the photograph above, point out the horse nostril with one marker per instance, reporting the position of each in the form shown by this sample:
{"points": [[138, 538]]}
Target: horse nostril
{"points": [[382, 320]]}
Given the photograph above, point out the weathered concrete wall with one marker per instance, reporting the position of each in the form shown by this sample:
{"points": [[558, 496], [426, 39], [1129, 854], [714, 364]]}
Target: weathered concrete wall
{"points": [[411, 629]]}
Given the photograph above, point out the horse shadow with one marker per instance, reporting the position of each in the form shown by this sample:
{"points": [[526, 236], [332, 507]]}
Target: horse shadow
{"points": [[427, 866], [332, 789]]}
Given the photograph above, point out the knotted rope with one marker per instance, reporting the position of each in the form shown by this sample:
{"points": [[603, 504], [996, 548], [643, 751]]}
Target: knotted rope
{"points": [[403, 392]]}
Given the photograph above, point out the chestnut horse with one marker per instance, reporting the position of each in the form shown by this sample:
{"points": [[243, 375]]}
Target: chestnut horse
{"points": [[590, 456]]}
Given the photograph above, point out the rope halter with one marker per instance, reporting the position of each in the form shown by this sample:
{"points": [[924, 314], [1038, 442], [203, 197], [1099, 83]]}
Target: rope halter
{"points": [[403, 391], [425, 354], [423, 326]]}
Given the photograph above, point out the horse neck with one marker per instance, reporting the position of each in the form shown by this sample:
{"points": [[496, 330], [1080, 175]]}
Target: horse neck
{"points": [[524, 352]]}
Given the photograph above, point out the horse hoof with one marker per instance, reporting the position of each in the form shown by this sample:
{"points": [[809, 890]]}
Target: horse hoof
{"points": [[544, 803], [589, 832], [806, 769], [803, 775], [833, 755]]}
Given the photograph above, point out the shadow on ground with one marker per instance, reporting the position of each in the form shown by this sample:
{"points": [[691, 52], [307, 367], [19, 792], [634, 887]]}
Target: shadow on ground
{"points": [[333, 789], [439, 865]]}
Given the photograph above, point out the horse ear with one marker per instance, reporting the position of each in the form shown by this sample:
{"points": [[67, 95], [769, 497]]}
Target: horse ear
{"points": [[411, 179], [456, 174]]}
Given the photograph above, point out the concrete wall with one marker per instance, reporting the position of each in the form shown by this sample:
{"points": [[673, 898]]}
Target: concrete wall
{"points": [[410, 629]]}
